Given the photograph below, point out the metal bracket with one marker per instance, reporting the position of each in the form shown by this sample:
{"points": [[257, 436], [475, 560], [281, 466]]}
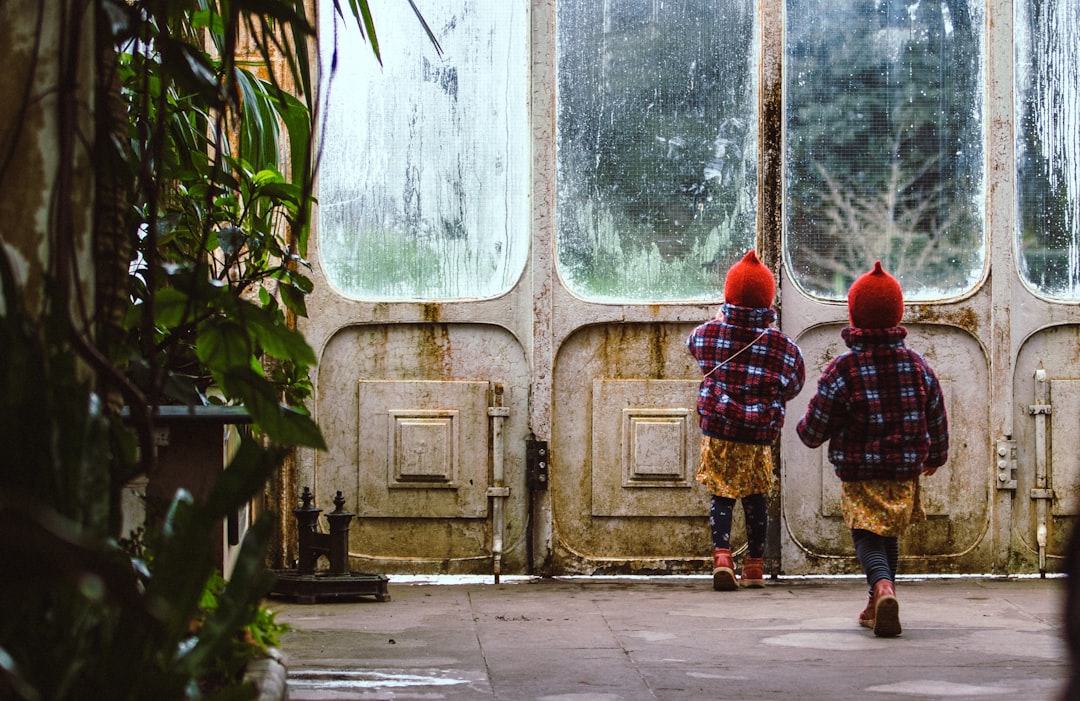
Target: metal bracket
{"points": [[536, 464], [502, 492], [1042, 494], [1006, 464], [1036, 409]]}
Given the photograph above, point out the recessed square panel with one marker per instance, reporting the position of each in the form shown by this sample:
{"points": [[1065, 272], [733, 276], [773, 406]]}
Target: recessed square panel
{"points": [[645, 447], [423, 448], [1064, 425], [654, 448]]}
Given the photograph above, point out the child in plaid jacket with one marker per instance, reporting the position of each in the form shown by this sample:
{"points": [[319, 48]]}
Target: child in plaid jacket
{"points": [[751, 371], [881, 408]]}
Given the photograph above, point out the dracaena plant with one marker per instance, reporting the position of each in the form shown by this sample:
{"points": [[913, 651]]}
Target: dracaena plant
{"points": [[218, 220], [218, 147]]}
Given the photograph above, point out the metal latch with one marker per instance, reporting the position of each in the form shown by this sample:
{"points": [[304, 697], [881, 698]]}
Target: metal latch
{"points": [[1006, 464], [536, 464]]}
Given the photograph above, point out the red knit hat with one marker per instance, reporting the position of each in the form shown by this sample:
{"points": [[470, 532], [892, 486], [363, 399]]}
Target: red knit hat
{"points": [[875, 300], [749, 283]]}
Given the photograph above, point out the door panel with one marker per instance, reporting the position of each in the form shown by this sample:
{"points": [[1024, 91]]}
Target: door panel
{"points": [[1047, 407], [584, 332], [1065, 447], [625, 446], [426, 447], [957, 500], [644, 436], [405, 408]]}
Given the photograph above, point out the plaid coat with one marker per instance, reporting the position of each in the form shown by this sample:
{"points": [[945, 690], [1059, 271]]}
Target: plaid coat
{"points": [[880, 407], [751, 372]]}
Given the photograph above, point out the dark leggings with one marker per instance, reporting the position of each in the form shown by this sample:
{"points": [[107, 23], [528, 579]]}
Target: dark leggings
{"points": [[879, 555], [757, 518]]}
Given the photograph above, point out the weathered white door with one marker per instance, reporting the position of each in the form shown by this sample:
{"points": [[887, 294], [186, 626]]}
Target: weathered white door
{"points": [[1039, 462], [998, 322], [422, 314], [516, 235]]}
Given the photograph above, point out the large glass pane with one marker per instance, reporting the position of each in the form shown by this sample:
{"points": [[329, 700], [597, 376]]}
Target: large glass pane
{"points": [[657, 145], [1048, 144], [423, 183], [884, 144]]}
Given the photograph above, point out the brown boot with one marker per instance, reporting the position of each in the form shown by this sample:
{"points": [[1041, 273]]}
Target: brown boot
{"points": [[886, 610], [753, 573], [866, 618], [723, 574]]}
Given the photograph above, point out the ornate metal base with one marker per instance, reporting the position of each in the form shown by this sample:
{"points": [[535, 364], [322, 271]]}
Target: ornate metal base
{"points": [[322, 587]]}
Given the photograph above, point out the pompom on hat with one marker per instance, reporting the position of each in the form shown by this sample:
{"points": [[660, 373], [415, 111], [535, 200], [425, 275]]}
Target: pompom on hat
{"points": [[749, 283], [875, 300]]}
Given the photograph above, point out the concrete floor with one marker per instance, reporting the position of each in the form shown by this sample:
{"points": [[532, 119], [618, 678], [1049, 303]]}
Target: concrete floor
{"points": [[614, 639]]}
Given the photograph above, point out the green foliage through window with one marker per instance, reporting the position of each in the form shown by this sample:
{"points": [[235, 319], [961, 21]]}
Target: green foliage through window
{"points": [[884, 144]]}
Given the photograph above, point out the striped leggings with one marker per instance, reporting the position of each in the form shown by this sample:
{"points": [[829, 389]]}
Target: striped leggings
{"points": [[879, 555]]}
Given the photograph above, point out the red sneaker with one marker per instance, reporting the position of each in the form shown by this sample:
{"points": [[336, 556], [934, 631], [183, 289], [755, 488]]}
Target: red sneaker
{"points": [[866, 618], [886, 610], [753, 573], [723, 574]]}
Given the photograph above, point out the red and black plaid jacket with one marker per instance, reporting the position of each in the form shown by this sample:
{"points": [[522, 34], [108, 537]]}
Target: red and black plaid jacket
{"points": [[751, 372], [880, 407]]}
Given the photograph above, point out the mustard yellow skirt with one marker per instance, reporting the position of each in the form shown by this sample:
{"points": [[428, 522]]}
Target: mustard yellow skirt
{"points": [[735, 470], [885, 507]]}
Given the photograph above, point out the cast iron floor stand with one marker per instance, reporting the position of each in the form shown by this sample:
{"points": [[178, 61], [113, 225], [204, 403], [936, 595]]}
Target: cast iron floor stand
{"points": [[305, 584]]}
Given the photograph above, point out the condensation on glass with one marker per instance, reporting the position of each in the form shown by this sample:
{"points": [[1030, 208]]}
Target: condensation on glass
{"points": [[425, 169], [656, 145], [884, 144], [1047, 145]]}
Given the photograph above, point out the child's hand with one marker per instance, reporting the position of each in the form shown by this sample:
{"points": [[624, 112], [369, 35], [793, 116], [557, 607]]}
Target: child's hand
{"points": [[929, 471], [720, 314]]}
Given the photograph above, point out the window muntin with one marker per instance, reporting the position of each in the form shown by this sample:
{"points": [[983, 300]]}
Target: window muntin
{"points": [[424, 178], [884, 144], [1047, 145], [656, 146]]}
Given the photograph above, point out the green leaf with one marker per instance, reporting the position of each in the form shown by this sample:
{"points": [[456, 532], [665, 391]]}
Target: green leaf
{"points": [[212, 21], [182, 564], [295, 300], [223, 344], [297, 120], [301, 281], [171, 307], [281, 424], [280, 341], [244, 477], [191, 68], [266, 177], [230, 238], [281, 192]]}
